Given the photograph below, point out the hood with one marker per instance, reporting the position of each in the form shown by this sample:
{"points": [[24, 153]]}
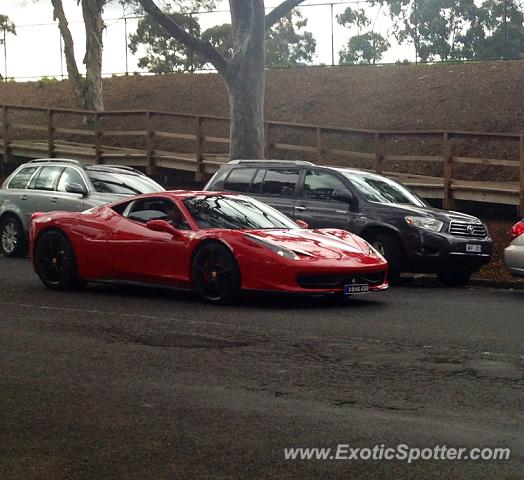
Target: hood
{"points": [[333, 244], [97, 199], [437, 213]]}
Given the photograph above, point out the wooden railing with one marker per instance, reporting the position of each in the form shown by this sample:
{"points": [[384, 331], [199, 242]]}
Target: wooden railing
{"points": [[200, 143]]}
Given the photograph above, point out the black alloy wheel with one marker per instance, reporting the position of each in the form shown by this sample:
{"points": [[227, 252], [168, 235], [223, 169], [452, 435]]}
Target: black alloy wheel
{"points": [[216, 275], [389, 247], [55, 261], [12, 237]]}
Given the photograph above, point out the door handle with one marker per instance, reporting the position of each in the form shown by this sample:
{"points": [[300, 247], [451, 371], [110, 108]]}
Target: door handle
{"points": [[23, 197], [54, 199], [300, 209]]}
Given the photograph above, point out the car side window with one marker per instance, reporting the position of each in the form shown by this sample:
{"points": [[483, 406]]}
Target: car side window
{"points": [[69, 175], [239, 179], [280, 182], [257, 181], [47, 178], [21, 179], [157, 208], [320, 185]]}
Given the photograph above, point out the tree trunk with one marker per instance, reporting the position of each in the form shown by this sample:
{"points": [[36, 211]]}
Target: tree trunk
{"points": [[245, 79], [77, 82], [94, 26]]}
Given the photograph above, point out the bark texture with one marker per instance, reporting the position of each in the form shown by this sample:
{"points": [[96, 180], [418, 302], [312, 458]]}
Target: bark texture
{"points": [[94, 26], [77, 81], [244, 73]]}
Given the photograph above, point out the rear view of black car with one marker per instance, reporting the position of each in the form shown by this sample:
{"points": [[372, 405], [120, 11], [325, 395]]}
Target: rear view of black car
{"points": [[413, 236]]}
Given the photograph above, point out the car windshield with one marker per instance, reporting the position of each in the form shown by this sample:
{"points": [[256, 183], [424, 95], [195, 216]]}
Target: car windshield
{"points": [[236, 213], [122, 183], [376, 188]]}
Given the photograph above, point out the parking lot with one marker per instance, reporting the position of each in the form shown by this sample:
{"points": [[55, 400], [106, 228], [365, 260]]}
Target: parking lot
{"points": [[134, 383]]}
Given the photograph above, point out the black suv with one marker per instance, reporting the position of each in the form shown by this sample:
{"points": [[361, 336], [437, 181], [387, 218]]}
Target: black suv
{"points": [[413, 236]]}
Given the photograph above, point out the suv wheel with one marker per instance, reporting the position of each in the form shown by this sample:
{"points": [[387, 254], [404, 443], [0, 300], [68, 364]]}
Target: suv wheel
{"points": [[389, 247], [12, 237], [454, 278]]}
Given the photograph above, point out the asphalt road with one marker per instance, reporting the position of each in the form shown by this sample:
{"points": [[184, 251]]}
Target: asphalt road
{"points": [[130, 383]]}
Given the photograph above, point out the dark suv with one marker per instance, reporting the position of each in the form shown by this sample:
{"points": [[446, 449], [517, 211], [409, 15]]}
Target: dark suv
{"points": [[413, 236]]}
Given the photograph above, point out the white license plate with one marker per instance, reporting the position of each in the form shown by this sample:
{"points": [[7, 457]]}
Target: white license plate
{"points": [[473, 248], [356, 288]]}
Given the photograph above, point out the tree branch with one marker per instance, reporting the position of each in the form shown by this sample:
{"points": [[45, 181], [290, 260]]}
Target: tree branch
{"points": [[172, 28], [281, 10]]}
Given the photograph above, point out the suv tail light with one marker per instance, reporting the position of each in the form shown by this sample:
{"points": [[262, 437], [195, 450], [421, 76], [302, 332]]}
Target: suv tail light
{"points": [[517, 230]]}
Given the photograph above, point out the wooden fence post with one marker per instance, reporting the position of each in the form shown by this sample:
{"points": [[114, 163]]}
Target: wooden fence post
{"points": [[521, 203], [269, 141], [150, 141], [199, 167], [50, 134], [98, 138], [5, 133], [379, 156], [320, 148], [447, 199]]}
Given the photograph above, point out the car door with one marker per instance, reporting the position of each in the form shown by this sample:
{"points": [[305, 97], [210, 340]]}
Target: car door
{"points": [[276, 187], [42, 189], [15, 196], [144, 255], [63, 200], [315, 203]]}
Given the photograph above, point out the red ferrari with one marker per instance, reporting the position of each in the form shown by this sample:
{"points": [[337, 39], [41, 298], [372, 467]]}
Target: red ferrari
{"points": [[214, 243]]}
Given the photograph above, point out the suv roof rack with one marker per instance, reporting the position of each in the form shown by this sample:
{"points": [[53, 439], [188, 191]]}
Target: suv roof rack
{"points": [[272, 162], [104, 166], [57, 160]]}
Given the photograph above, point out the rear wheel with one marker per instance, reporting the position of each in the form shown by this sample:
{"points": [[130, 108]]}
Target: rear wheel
{"points": [[454, 278], [55, 261], [216, 275], [389, 247], [12, 237]]}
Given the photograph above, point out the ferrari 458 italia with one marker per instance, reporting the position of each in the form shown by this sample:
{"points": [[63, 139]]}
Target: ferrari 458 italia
{"points": [[214, 243]]}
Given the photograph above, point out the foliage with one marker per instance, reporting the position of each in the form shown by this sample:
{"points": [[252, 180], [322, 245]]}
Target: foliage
{"points": [[6, 26], [287, 43], [365, 48]]}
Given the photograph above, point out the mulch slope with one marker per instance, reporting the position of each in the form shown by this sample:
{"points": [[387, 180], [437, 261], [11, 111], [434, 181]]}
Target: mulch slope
{"points": [[484, 96]]}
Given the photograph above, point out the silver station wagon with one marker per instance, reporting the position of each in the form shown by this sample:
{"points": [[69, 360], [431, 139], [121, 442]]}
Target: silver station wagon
{"points": [[60, 184]]}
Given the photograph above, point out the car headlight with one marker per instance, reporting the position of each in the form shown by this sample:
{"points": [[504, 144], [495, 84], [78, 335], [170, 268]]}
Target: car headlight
{"points": [[426, 223], [278, 249]]}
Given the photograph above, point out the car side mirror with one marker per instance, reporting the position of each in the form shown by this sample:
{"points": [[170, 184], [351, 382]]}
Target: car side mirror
{"points": [[302, 224], [162, 226], [76, 188], [345, 196]]}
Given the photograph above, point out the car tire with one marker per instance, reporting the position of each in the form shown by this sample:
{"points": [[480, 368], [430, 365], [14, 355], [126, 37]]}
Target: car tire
{"points": [[454, 278], [55, 261], [13, 242], [216, 274], [391, 249]]}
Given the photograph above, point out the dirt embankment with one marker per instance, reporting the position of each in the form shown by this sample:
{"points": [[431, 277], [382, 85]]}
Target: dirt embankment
{"points": [[479, 97]]}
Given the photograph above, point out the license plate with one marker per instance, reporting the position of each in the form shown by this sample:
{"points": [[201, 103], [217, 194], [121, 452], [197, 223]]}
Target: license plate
{"points": [[356, 288], [473, 248]]}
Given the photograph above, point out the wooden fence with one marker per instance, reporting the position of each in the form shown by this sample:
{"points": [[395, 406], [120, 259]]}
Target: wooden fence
{"points": [[137, 141]]}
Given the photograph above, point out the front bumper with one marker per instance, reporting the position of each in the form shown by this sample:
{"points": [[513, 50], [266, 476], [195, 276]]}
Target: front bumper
{"points": [[514, 260], [428, 251]]}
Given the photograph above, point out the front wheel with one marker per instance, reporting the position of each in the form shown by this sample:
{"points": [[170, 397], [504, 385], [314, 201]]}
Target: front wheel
{"points": [[55, 261], [12, 238], [454, 278], [216, 275], [390, 248]]}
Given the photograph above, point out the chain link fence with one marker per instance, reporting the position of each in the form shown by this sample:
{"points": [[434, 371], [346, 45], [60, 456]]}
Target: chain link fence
{"points": [[24, 59]]}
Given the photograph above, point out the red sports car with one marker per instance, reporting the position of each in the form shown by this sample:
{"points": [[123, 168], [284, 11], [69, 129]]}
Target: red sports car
{"points": [[215, 243]]}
